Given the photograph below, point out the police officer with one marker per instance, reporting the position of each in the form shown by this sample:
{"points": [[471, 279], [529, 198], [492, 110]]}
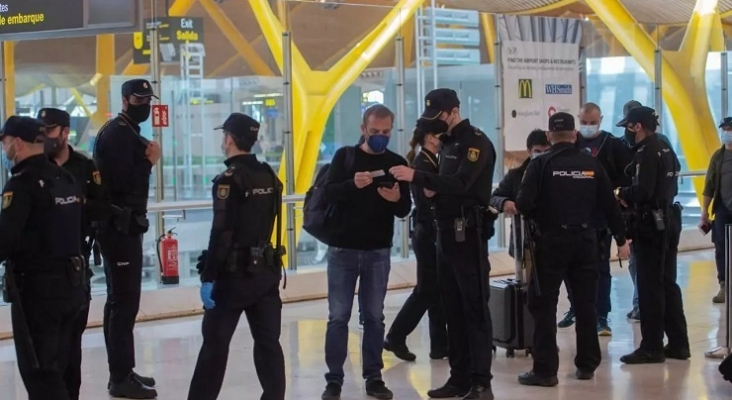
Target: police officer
{"points": [[242, 269], [96, 209], [561, 192], [656, 234], [40, 242], [426, 295], [125, 160], [462, 193]]}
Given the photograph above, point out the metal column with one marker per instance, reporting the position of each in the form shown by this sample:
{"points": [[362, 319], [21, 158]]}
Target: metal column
{"points": [[723, 351], [433, 28], [725, 82], [288, 138], [3, 171], [500, 142], [658, 83], [157, 132], [583, 77], [400, 120]]}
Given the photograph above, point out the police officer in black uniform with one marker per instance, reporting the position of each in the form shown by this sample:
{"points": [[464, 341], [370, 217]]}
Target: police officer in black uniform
{"points": [[125, 160], [426, 295], [562, 191], [96, 210], [242, 268], [463, 191], [656, 233], [40, 242]]}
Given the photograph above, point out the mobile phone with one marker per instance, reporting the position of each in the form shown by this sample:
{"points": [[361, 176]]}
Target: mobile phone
{"points": [[704, 228]]}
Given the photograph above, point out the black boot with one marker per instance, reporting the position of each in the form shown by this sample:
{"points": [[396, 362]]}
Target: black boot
{"points": [[531, 379], [643, 357], [479, 392], [446, 392], [131, 388], [400, 350]]}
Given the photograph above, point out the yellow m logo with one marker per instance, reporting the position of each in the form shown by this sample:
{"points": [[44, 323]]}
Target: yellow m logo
{"points": [[525, 89], [138, 40]]}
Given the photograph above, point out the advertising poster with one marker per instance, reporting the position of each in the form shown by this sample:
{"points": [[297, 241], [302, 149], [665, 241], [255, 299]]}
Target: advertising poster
{"points": [[540, 68]]}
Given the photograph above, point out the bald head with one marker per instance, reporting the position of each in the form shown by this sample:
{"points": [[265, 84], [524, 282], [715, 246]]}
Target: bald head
{"points": [[590, 118]]}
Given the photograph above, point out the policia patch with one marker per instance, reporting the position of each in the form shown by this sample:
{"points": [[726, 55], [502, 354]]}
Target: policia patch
{"points": [[473, 154], [222, 192], [97, 177], [7, 199]]}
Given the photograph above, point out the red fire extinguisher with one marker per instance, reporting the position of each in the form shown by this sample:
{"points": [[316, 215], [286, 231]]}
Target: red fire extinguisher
{"points": [[168, 256]]}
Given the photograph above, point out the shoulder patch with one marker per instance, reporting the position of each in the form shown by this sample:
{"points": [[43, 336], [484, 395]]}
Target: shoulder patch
{"points": [[222, 191], [473, 154], [97, 177], [228, 172], [478, 132], [7, 199]]}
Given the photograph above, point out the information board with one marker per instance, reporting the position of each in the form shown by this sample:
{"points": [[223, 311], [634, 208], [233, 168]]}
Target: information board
{"points": [[21, 16], [172, 33]]}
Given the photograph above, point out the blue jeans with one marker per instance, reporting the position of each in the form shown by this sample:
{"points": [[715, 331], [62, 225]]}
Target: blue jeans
{"points": [[345, 267], [633, 269]]}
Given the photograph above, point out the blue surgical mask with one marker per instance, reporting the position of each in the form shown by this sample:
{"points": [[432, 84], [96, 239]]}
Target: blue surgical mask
{"points": [[6, 161], [378, 143], [589, 131], [726, 137]]}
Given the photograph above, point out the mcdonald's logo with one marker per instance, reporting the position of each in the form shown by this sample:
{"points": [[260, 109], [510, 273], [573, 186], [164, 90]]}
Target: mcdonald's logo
{"points": [[525, 89]]}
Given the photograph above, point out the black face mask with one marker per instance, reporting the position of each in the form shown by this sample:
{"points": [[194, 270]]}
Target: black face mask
{"points": [[52, 146], [138, 113], [629, 137]]}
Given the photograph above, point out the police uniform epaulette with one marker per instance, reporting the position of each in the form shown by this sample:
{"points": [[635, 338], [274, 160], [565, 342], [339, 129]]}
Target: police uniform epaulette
{"points": [[478, 132]]}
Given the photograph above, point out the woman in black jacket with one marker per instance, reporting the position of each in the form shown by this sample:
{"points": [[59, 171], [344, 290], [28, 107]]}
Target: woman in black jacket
{"points": [[425, 297]]}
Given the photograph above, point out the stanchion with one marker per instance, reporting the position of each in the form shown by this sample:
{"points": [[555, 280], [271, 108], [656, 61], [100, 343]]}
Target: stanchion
{"points": [[723, 351]]}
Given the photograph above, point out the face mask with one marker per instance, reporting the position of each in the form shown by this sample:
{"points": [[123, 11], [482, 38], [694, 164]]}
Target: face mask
{"points": [[7, 160], [52, 146], [629, 137], [138, 113], [378, 143], [727, 137], [589, 131]]}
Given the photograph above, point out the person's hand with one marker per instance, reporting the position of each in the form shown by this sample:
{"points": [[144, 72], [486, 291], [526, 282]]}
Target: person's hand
{"points": [[430, 194], [362, 179], [624, 250], [206, 290], [391, 194], [201, 264], [402, 173], [705, 218], [153, 152], [509, 207]]}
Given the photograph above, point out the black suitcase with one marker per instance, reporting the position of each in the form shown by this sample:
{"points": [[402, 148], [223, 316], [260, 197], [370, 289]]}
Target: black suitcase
{"points": [[513, 326]]}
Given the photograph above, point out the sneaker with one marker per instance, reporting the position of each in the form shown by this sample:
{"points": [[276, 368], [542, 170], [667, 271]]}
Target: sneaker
{"points": [[332, 391], [378, 390], [634, 315], [721, 295], [568, 320], [603, 329]]}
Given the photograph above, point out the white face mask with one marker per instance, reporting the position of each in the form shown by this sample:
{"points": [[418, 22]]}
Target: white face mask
{"points": [[589, 131], [726, 137]]}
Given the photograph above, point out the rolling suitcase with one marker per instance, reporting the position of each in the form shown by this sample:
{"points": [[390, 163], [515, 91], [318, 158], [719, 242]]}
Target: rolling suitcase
{"points": [[513, 326]]}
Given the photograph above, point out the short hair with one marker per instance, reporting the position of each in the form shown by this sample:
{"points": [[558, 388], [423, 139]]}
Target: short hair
{"points": [[243, 144], [589, 106], [537, 137], [379, 111], [562, 135]]}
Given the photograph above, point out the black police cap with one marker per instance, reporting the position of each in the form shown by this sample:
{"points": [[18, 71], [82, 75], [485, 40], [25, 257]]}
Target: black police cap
{"points": [[646, 116], [439, 100], [561, 122], [53, 117], [626, 108], [26, 129], [726, 121], [241, 126], [138, 88]]}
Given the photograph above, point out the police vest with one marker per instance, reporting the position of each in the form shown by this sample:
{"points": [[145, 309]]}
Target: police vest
{"points": [[569, 195], [257, 212], [65, 216]]}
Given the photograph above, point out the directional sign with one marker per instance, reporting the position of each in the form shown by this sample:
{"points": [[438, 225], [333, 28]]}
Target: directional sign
{"points": [[172, 33], [25, 16], [160, 116]]}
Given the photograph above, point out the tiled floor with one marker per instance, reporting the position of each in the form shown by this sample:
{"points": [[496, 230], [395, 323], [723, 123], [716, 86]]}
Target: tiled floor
{"points": [[168, 350]]}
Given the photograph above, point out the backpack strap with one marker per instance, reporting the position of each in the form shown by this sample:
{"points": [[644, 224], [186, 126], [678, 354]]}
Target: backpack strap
{"points": [[350, 157]]}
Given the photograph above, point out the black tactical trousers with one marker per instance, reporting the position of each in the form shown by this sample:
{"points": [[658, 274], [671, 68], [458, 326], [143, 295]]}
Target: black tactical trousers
{"points": [[72, 375], [264, 316], [123, 269], [573, 254]]}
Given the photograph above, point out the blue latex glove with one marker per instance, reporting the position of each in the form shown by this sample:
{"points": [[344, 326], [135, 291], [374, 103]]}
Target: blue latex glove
{"points": [[206, 289]]}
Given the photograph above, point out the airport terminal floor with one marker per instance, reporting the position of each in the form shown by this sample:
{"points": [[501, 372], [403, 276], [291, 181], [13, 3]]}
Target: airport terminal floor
{"points": [[168, 350]]}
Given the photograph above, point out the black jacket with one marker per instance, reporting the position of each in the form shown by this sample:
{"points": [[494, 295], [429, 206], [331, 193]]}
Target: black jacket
{"points": [[508, 190], [614, 156]]}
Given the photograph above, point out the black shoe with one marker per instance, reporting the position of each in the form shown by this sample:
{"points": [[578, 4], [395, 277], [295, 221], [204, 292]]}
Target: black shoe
{"points": [[676, 353], [378, 389], [478, 392], [439, 354], [131, 388], [145, 380], [531, 379], [643, 357], [584, 375], [400, 350], [446, 392], [332, 391]]}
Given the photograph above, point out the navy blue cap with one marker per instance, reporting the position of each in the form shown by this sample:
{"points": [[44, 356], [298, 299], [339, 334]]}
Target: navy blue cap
{"points": [[726, 121], [645, 116], [439, 100], [138, 88], [241, 126], [26, 129], [53, 117], [626, 108], [561, 122]]}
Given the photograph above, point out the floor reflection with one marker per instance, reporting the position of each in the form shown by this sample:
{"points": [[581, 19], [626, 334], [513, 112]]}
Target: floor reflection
{"points": [[168, 350]]}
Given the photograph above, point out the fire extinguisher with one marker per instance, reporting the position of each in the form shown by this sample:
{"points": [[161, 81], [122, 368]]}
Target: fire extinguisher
{"points": [[167, 248]]}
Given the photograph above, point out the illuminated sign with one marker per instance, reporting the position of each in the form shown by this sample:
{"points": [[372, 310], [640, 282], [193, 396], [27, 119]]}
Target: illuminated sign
{"points": [[270, 102], [558, 89], [526, 90], [25, 16], [172, 33]]}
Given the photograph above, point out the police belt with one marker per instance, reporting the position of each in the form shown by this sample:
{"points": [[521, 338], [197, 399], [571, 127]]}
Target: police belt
{"points": [[74, 269], [444, 224], [572, 228]]}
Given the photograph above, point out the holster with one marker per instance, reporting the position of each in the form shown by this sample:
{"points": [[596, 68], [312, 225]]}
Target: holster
{"points": [[76, 271], [602, 234], [121, 219]]}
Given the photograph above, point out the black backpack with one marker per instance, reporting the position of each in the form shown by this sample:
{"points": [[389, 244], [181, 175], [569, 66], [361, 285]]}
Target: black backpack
{"points": [[318, 214]]}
